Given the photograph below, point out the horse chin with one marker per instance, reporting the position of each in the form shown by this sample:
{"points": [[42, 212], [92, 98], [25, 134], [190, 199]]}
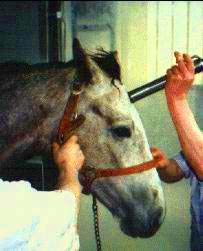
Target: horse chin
{"points": [[136, 228], [135, 233]]}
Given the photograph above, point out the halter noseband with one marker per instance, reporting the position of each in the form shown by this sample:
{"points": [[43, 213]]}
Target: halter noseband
{"points": [[69, 123]]}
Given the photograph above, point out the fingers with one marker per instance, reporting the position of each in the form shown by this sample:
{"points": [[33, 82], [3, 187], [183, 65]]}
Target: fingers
{"points": [[174, 73], [73, 145], [184, 67], [188, 62], [175, 70], [184, 62], [72, 139], [156, 152], [154, 149], [55, 147], [169, 74], [178, 56], [159, 157], [180, 63], [81, 159]]}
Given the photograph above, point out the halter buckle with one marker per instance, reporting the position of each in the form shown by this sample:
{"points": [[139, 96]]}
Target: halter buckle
{"points": [[86, 177]]}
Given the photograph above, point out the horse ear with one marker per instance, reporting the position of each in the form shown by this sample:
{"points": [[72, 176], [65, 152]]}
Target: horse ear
{"points": [[116, 68], [82, 62], [115, 54]]}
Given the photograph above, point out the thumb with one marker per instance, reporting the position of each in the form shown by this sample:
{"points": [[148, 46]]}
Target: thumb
{"points": [[154, 151], [55, 147]]}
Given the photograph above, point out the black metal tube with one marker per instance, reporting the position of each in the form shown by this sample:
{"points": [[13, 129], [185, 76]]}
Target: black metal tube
{"points": [[158, 84]]}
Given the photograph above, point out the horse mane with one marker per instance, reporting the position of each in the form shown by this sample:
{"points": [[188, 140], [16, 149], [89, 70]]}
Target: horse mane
{"points": [[15, 67], [105, 60], [14, 70]]}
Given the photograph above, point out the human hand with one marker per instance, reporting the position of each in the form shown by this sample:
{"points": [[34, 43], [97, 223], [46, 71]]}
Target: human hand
{"points": [[163, 161], [180, 77], [69, 159]]}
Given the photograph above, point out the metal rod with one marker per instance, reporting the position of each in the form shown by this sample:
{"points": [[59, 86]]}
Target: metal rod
{"points": [[158, 84]]}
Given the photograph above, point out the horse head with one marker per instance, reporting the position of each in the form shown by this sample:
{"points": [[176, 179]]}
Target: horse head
{"points": [[112, 136]]}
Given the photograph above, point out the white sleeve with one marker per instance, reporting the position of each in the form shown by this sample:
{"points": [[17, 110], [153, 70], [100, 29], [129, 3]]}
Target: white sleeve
{"points": [[33, 220], [16, 219], [57, 226]]}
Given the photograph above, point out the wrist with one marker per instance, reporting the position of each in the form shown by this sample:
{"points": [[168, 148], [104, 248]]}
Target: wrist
{"points": [[171, 97], [176, 102], [69, 185], [66, 177]]}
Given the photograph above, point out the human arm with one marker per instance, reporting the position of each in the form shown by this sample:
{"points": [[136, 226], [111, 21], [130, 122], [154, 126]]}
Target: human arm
{"points": [[69, 159], [40, 212], [179, 81], [168, 169]]}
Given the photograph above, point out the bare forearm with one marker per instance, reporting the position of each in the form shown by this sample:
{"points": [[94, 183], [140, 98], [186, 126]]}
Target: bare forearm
{"points": [[71, 184], [190, 136], [69, 159]]}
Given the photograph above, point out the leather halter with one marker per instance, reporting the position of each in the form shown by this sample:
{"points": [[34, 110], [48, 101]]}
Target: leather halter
{"points": [[70, 120], [89, 174], [69, 123]]}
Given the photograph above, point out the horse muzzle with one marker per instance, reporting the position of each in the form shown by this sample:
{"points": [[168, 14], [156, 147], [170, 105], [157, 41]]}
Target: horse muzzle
{"points": [[145, 226]]}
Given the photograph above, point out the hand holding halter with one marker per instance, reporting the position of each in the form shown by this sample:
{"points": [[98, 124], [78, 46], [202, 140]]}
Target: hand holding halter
{"points": [[158, 84]]}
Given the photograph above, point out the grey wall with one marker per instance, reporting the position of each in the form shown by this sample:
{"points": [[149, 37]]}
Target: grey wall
{"points": [[19, 31]]}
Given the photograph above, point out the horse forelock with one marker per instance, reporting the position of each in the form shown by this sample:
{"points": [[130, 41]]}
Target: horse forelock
{"points": [[108, 62]]}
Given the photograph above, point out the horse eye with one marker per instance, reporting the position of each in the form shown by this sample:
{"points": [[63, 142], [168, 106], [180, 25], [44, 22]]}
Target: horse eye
{"points": [[121, 131]]}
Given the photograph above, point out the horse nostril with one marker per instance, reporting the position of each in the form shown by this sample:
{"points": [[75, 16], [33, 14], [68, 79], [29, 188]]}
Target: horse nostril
{"points": [[156, 218], [155, 193]]}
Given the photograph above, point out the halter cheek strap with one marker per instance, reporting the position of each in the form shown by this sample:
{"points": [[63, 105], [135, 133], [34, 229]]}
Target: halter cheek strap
{"points": [[70, 120]]}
